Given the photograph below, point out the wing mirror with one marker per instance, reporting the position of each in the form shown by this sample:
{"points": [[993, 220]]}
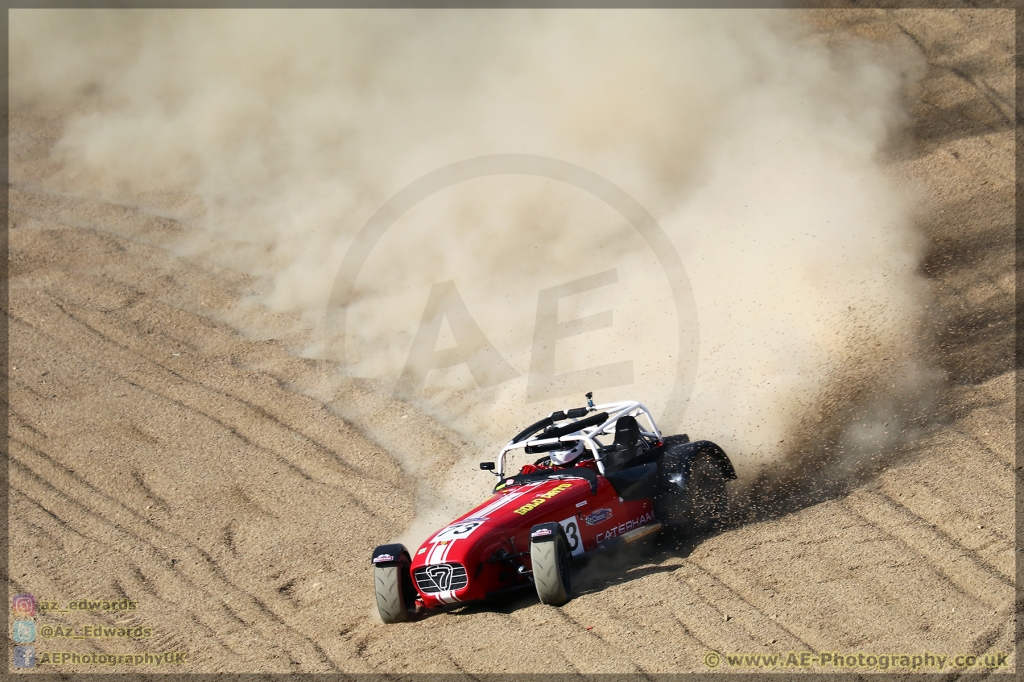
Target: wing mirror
{"points": [[487, 466]]}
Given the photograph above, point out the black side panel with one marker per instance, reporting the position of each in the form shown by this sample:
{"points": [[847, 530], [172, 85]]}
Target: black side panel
{"points": [[635, 483], [647, 456], [614, 460]]}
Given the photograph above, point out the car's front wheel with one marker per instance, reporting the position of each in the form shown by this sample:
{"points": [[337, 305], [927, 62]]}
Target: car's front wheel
{"points": [[396, 597], [551, 573]]}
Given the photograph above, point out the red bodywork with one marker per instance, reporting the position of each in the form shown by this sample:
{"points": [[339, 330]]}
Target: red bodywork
{"points": [[487, 549]]}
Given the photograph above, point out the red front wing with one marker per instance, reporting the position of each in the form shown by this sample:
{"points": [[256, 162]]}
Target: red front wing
{"points": [[487, 550]]}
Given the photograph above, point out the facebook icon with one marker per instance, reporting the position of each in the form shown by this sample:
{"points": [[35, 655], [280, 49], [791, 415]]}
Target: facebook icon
{"points": [[24, 656]]}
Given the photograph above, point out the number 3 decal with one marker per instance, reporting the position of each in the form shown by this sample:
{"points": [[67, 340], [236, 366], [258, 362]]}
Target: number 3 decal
{"points": [[458, 530], [572, 534]]}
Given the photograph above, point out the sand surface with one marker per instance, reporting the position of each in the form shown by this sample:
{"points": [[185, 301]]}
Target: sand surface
{"points": [[159, 454]]}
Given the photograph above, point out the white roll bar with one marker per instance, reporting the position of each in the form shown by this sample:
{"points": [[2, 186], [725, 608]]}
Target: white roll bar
{"points": [[589, 435]]}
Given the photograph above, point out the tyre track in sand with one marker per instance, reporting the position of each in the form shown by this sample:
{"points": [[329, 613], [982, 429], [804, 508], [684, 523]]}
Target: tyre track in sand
{"points": [[112, 524], [64, 333], [143, 341], [373, 414], [242, 419], [971, 576]]}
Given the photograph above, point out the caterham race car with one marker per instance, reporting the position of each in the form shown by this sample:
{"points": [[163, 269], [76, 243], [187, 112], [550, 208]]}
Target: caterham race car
{"points": [[580, 497]]}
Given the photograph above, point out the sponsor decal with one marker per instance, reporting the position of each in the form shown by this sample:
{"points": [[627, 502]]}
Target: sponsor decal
{"points": [[382, 557], [599, 516], [422, 550], [540, 499], [626, 527], [540, 532], [581, 504]]}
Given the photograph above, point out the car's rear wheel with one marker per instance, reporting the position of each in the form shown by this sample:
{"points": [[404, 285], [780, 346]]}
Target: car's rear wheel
{"points": [[700, 506], [393, 585], [551, 572], [707, 494]]}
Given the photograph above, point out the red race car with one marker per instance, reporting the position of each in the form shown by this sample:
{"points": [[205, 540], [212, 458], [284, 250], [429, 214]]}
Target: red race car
{"points": [[581, 496]]}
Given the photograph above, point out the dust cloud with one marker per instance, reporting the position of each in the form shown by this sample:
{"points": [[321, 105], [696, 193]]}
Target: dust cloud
{"points": [[758, 147]]}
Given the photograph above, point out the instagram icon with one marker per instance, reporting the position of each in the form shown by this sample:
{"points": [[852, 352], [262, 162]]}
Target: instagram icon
{"points": [[23, 605]]}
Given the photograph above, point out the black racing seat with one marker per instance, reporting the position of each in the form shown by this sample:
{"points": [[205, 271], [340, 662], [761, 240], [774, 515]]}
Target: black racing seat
{"points": [[627, 437], [627, 434]]}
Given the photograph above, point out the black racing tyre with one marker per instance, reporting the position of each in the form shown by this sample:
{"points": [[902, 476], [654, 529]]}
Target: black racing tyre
{"points": [[393, 585], [551, 573], [701, 506]]}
